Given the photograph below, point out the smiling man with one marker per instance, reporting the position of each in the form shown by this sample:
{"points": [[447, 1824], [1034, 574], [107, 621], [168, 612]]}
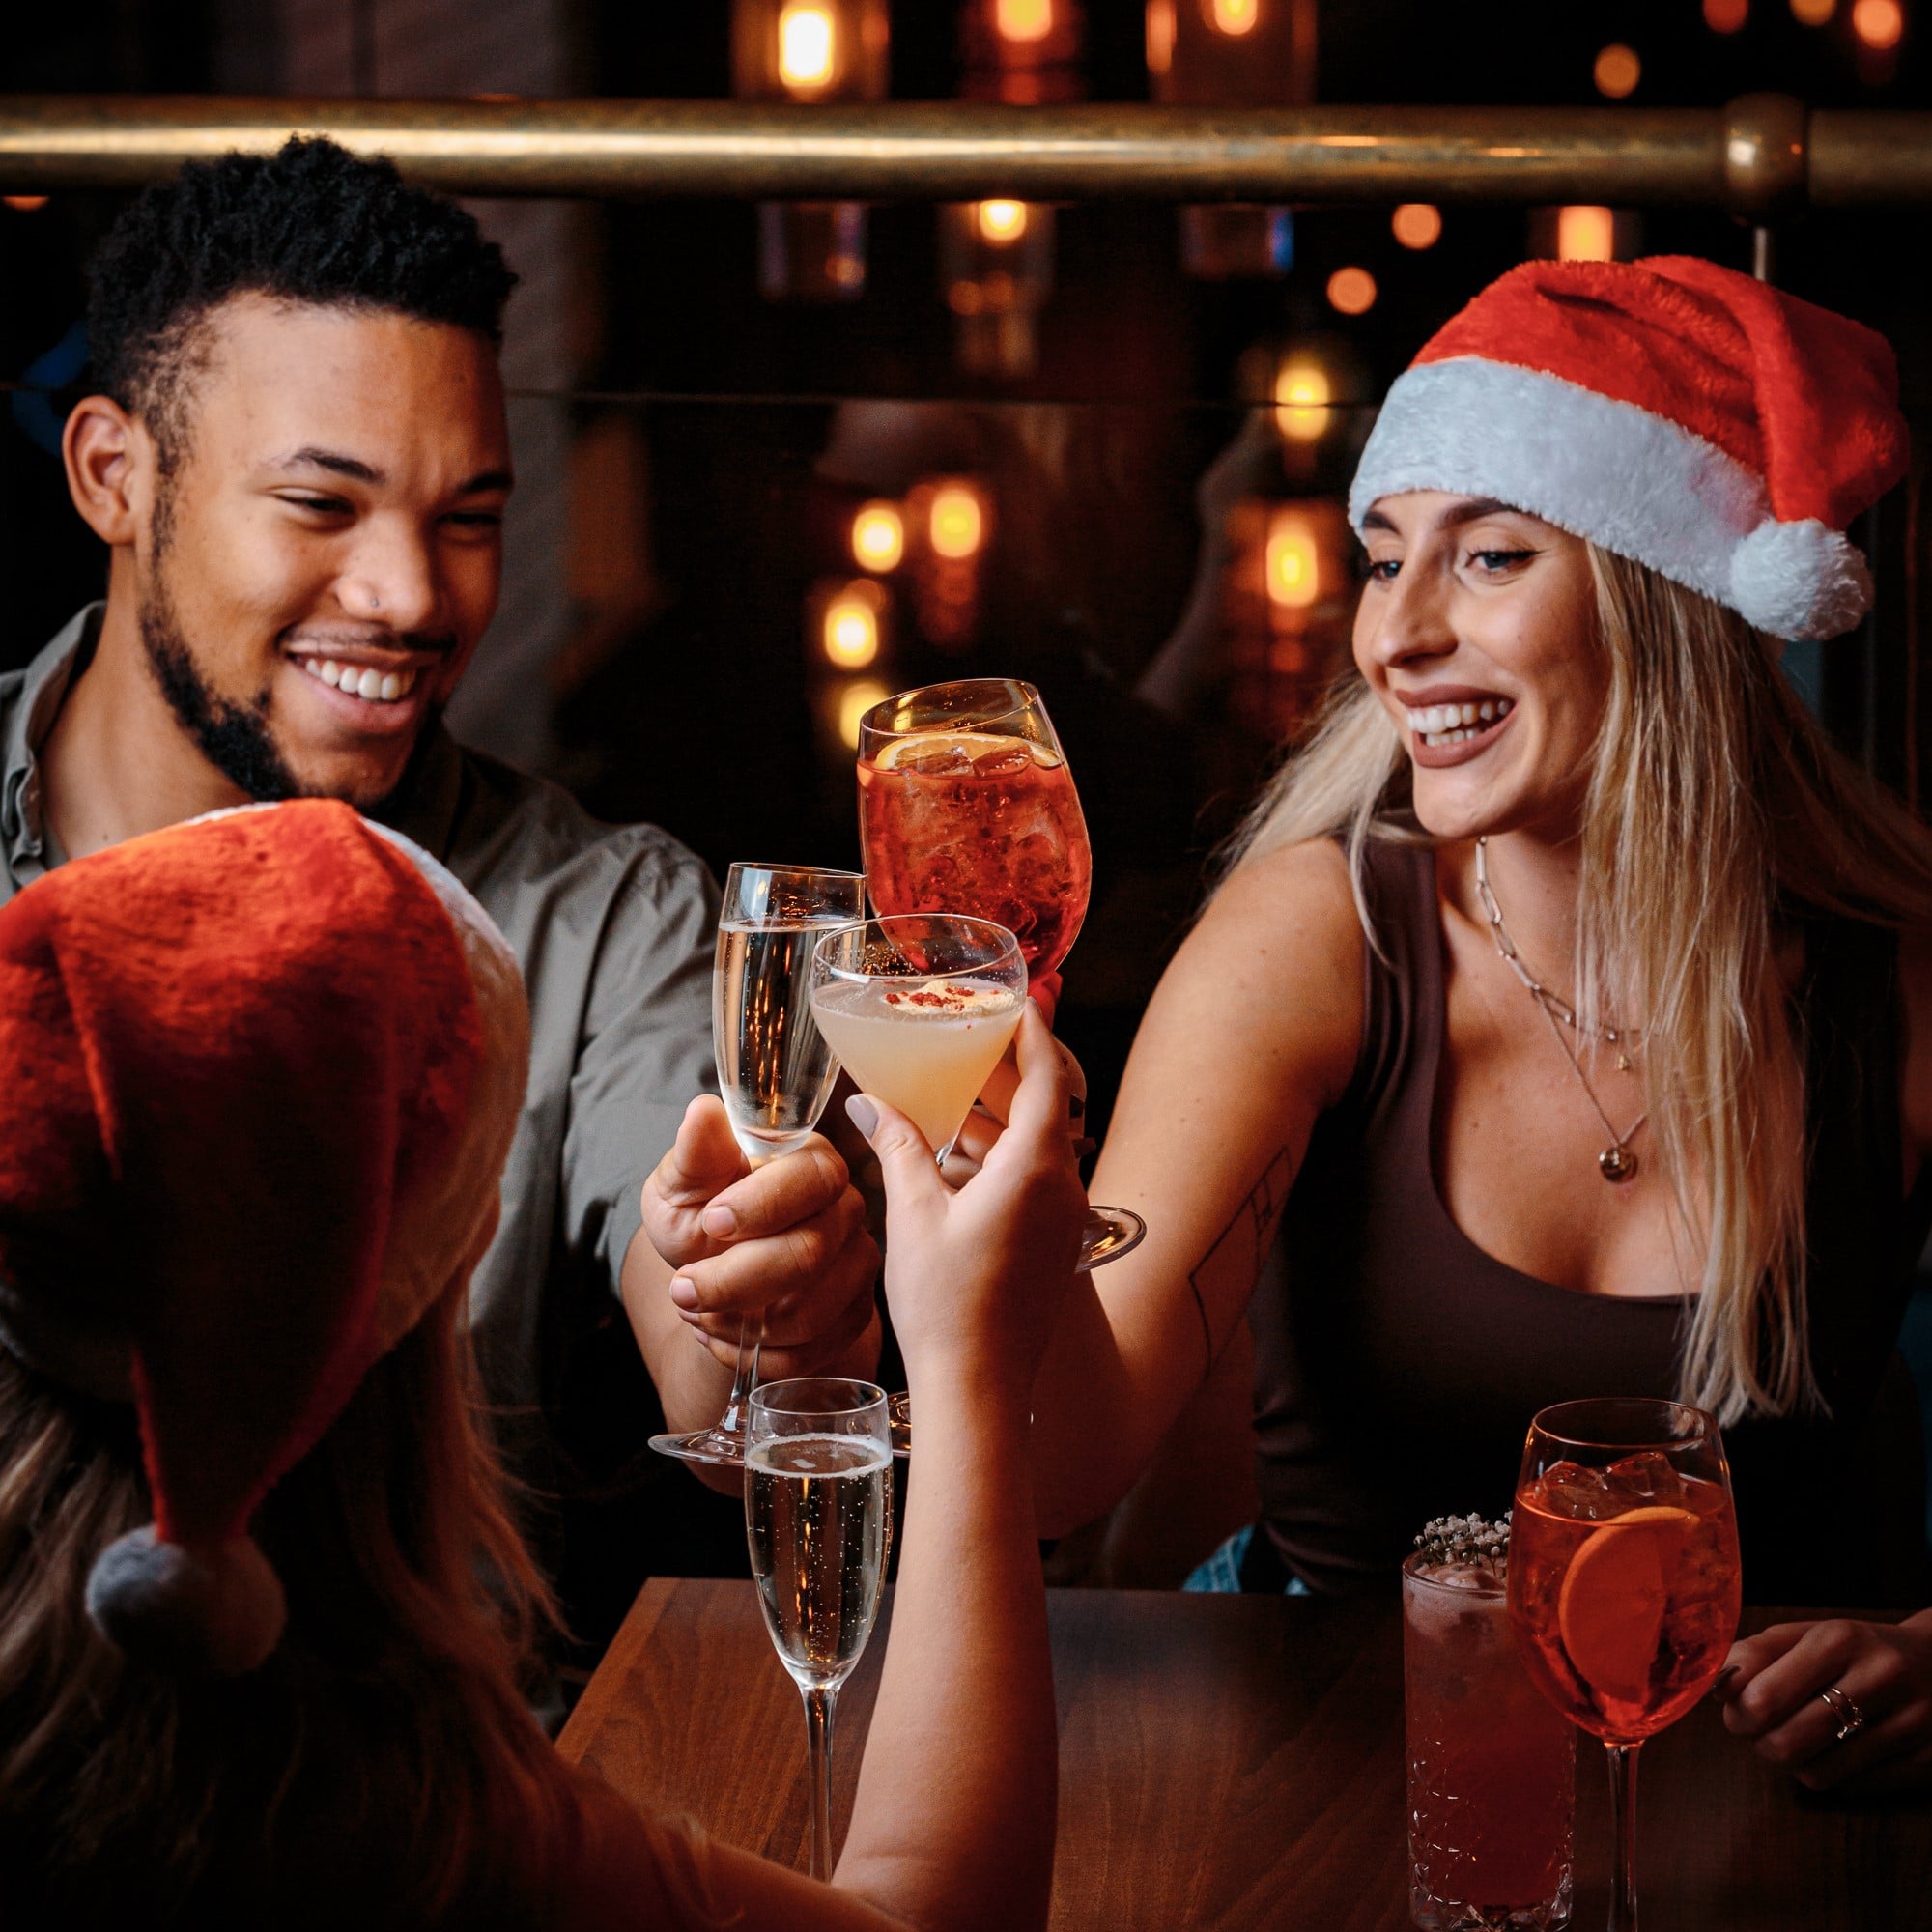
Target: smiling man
{"points": [[299, 462]]}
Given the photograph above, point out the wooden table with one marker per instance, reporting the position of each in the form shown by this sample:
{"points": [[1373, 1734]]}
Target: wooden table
{"points": [[1236, 1762]]}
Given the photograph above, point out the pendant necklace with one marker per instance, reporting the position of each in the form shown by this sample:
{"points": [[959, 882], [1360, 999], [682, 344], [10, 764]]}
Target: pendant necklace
{"points": [[1616, 1163]]}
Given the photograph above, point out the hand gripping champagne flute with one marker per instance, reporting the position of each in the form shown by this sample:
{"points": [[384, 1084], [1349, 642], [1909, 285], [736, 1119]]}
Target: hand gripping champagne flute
{"points": [[818, 1519], [1623, 1582], [775, 1071], [966, 804]]}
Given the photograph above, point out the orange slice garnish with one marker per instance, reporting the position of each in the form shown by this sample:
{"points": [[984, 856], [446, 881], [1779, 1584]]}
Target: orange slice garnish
{"points": [[921, 745], [1610, 1609]]}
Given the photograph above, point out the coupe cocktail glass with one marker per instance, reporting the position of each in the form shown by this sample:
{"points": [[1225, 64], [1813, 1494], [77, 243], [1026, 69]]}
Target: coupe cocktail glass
{"points": [[1624, 1580], [1491, 1767]]}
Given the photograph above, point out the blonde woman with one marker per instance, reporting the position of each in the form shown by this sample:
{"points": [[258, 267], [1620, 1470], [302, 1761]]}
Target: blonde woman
{"points": [[1565, 1021]]}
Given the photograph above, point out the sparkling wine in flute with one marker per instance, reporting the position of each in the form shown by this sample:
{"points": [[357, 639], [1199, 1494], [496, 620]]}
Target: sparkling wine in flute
{"points": [[818, 1516], [775, 1069]]}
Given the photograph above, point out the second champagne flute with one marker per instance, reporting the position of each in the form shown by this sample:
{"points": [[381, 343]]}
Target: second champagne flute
{"points": [[775, 1071]]}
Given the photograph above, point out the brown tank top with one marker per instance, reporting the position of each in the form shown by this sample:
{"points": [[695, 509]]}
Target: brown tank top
{"points": [[1397, 1364]]}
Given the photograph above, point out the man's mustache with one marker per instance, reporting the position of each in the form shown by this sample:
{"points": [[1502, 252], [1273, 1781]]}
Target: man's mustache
{"points": [[420, 643]]}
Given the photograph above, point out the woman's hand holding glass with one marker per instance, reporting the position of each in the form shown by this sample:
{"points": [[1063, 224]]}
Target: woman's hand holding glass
{"points": [[974, 1274]]}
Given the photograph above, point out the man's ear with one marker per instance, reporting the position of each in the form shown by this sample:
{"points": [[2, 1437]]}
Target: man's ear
{"points": [[111, 461]]}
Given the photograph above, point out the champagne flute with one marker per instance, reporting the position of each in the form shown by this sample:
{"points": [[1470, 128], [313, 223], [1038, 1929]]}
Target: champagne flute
{"points": [[818, 1519], [1624, 1585], [966, 804], [775, 1071]]}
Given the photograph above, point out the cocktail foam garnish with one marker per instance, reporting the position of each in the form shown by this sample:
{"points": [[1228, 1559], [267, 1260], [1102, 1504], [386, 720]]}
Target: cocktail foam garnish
{"points": [[950, 997]]}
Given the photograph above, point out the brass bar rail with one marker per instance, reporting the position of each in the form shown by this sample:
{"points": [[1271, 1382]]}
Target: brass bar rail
{"points": [[1756, 157]]}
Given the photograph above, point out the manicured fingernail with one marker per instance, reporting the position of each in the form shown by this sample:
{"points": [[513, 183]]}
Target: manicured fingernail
{"points": [[1076, 1106], [1083, 1147], [1724, 1679], [684, 1293], [863, 1115], [717, 1221]]}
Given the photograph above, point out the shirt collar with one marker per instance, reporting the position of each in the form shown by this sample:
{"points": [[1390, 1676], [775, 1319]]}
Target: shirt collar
{"points": [[24, 730]]}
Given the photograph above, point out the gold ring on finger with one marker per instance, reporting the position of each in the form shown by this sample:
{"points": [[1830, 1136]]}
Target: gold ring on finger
{"points": [[1845, 1713]]}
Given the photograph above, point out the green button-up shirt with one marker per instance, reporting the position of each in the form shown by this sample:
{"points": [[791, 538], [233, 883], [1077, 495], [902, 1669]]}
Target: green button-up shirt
{"points": [[613, 927]]}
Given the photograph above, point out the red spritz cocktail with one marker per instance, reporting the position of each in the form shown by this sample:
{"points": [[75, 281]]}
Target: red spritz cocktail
{"points": [[966, 806], [1624, 1582], [1491, 1767]]}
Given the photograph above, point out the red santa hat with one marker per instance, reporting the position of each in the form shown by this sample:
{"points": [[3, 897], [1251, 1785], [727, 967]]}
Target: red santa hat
{"points": [[1681, 415], [258, 1078]]}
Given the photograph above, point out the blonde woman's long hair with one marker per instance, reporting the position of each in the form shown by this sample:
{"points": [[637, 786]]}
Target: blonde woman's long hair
{"points": [[1700, 730]]}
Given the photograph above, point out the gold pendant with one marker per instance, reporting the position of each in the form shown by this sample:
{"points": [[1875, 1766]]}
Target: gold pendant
{"points": [[1618, 1164]]}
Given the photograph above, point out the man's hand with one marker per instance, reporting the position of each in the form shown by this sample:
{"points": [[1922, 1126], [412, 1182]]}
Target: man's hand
{"points": [[786, 1240]]}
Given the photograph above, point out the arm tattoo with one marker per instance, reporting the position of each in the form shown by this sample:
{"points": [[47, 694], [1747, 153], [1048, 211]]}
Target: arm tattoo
{"points": [[1245, 1237]]}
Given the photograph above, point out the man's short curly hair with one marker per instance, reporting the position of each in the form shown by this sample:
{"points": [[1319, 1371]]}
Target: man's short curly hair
{"points": [[312, 224]]}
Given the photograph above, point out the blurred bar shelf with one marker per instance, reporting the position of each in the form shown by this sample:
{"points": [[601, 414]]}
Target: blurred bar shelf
{"points": [[1761, 155]]}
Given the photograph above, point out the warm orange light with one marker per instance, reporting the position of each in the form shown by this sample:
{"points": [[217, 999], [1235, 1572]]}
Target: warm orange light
{"points": [[1813, 12], [1879, 23], [1001, 221], [955, 525], [1024, 19], [1233, 17], [1301, 400], [878, 537], [25, 204], [854, 701], [1160, 32], [1353, 291], [1586, 234], [1417, 224], [1725, 16], [1294, 564], [807, 43], [850, 627], [1617, 70]]}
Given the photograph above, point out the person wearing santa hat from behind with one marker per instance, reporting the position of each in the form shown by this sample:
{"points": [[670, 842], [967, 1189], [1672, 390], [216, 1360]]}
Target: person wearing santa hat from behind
{"points": [[1562, 1024], [262, 1602]]}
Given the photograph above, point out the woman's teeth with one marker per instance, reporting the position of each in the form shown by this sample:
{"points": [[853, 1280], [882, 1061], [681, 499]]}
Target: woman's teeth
{"points": [[383, 687], [1441, 725]]}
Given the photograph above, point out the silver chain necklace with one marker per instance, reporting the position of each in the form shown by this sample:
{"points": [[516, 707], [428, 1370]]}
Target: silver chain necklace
{"points": [[1616, 1163]]}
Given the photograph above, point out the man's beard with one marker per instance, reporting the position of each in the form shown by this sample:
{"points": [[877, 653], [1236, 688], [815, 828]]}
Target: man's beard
{"points": [[234, 738]]}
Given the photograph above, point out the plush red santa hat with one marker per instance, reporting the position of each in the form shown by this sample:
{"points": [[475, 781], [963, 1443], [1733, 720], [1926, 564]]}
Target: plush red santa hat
{"points": [[1678, 414], [258, 1078]]}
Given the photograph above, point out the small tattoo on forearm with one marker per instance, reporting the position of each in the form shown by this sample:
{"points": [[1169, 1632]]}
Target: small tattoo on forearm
{"points": [[1244, 1240]]}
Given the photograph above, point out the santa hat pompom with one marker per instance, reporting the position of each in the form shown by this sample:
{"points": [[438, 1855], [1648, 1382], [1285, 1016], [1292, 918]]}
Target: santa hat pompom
{"points": [[204, 1610], [1799, 580]]}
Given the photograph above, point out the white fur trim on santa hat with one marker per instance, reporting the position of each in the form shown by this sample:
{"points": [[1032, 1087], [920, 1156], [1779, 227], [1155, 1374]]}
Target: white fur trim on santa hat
{"points": [[1633, 482]]}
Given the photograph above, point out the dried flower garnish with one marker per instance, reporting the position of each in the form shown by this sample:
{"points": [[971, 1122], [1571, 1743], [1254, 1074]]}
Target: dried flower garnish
{"points": [[1467, 1540]]}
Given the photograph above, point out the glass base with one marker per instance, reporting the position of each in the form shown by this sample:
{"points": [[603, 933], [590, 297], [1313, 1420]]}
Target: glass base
{"points": [[1444, 1915], [1109, 1232], [722, 1447]]}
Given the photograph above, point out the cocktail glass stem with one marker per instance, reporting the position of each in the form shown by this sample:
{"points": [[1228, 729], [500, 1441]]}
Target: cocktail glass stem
{"points": [[743, 1375], [1623, 1837], [818, 1777]]}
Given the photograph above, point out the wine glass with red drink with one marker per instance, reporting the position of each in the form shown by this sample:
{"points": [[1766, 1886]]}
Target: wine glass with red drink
{"points": [[966, 806]]}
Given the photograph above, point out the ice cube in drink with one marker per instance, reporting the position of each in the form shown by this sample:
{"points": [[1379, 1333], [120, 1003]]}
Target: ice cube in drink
{"points": [[1491, 1766]]}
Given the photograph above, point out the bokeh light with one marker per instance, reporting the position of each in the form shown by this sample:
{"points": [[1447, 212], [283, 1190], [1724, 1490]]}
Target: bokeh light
{"points": [[1586, 234], [854, 701], [1293, 561], [1727, 17], [1813, 12], [956, 523], [1235, 16], [807, 43], [1417, 224], [1617, 70], [1352, 291], [1002, 221], [25, 204], [1024, 19], [878, 537], [1879, 23], [1301, 397], [849, 629]]}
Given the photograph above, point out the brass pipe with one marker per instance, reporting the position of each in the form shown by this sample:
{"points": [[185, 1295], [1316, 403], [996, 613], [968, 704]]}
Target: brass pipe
{"points": [[1759, 156]]}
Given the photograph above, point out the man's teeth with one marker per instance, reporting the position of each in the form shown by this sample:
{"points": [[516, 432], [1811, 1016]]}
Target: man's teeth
{"points": [[384, 687], [1439, 724]]}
